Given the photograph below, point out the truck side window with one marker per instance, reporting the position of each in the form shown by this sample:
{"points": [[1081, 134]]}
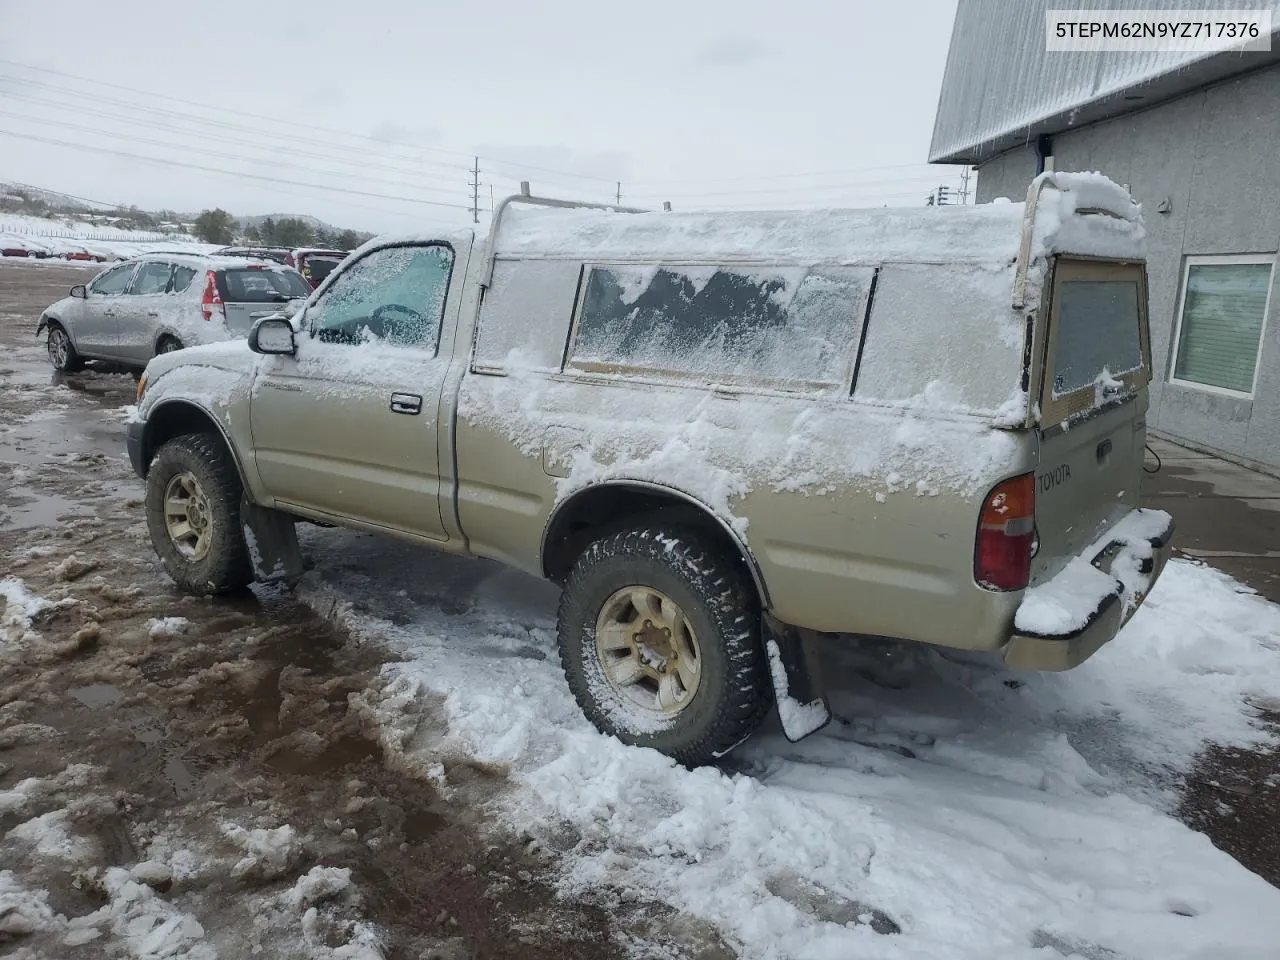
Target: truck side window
{"points": [[394, 296]]}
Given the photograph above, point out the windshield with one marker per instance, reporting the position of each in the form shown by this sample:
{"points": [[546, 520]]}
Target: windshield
{"points": [[261, 285]]}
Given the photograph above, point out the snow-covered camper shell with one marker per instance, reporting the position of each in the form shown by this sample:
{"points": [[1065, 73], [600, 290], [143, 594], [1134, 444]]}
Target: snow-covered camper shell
{"points": [[860, 399]]}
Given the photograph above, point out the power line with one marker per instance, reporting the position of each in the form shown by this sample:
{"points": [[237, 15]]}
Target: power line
{"points": [[235, 157], [826, 188], [172, 115], [228, 173], [292, 123], [782, 176], [362, 163]]}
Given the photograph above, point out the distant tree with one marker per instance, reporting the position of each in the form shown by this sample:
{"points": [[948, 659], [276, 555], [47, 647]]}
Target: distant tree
{"points": [[267, 231], [348, 240], [292, 232], [253, 234], [325, 238], [216, 226]]}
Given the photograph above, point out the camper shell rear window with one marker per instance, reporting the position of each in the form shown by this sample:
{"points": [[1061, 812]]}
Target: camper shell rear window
{"points": [[1098, 347]]}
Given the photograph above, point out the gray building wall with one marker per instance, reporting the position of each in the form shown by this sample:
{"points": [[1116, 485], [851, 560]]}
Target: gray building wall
{"points": [[1215, 156]]}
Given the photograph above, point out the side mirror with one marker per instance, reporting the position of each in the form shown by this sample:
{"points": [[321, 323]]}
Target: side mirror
{"points": [[79, 292], [273, 335]]}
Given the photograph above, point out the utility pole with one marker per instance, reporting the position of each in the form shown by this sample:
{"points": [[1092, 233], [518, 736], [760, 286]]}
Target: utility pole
{"points": [[475, 191], [619, 196], [964, 183]]}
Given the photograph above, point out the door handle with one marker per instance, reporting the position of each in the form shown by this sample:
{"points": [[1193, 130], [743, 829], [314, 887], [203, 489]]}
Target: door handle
{"points": [[409, 403]]}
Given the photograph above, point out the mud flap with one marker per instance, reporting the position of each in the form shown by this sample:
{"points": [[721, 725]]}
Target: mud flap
{"points": [[797, 686], [272, 542]]}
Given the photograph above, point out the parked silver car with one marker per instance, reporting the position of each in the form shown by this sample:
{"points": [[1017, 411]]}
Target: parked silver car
{"points": [[163, 302]]}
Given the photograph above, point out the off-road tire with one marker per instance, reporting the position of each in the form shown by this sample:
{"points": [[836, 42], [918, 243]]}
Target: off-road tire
{"points": [[734, 693], [73, 362], [226, 566]]}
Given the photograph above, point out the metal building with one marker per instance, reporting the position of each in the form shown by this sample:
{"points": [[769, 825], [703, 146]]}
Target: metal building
{"points": [[1196, 138]]}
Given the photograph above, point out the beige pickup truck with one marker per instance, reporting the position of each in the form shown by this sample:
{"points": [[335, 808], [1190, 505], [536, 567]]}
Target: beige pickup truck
{"points": [[731, 437]]}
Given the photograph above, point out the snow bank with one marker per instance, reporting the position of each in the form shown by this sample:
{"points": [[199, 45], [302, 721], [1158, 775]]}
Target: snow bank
{"points": [[981, 819], [22, 911]]}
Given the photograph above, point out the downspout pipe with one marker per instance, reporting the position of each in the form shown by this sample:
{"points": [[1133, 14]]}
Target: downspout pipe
{"points": [[1044, 150]]}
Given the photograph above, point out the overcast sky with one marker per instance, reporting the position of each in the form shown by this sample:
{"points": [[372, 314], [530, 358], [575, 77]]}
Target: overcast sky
{"points": [[702, 102]]}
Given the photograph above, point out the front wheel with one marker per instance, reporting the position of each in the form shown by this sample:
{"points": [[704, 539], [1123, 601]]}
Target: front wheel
{"points": [[62, 353], [659, 637], [193, 515]]}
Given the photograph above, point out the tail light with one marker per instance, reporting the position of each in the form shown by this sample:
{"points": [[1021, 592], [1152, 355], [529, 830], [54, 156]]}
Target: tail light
{"points": [[211, 302], [1006, 535]]}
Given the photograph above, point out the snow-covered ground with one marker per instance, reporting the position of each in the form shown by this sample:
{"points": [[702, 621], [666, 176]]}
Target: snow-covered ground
{"points": [[63, 238], [956, 810]]}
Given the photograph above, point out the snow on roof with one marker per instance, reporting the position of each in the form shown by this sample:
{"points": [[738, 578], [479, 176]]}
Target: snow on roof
{"points": [[1066, 221], [212, 260], [984, 233]]}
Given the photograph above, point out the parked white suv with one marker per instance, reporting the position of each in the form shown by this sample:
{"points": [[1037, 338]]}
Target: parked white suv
{"points": [[159, 303]]}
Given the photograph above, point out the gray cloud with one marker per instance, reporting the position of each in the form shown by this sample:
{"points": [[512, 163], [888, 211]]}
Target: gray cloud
{"points": [[731, 52]]}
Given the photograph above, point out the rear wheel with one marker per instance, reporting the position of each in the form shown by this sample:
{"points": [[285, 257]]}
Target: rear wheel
{"points": [[168, 345], [660, 642], [62, 353], [193, 515]]}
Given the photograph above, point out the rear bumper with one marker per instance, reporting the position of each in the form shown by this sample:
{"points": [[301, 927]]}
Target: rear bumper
{"points": [[1111, 578]]}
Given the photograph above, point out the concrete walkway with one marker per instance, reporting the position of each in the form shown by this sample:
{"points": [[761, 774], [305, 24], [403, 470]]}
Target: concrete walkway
{"points": [[1226, 515]]}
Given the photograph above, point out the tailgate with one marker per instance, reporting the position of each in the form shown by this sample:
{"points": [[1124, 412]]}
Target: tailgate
{"points": [[1093, 405], [1087, 479]]}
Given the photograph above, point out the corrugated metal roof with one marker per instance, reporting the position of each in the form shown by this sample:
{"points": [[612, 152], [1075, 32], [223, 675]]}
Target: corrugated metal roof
{"points": [[1002, 88]]}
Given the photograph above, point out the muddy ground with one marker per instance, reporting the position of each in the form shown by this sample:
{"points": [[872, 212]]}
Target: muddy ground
{"points": [[216, 748]]}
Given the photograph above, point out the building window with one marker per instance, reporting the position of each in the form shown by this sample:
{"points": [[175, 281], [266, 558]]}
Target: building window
{"points": [[1220, 322]]}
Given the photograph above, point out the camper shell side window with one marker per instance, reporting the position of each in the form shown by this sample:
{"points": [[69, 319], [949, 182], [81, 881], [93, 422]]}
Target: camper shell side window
{"points": [[790, 327]]}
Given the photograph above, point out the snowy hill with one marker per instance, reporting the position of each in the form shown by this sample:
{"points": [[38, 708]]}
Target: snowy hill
{"points": [[74, 238]]}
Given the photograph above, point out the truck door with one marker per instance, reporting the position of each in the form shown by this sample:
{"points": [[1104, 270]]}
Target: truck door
{"points": [[350, 426]]}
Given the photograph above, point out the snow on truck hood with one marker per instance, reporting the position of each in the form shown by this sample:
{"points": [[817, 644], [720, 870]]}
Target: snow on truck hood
{"points": [[232, 355]]}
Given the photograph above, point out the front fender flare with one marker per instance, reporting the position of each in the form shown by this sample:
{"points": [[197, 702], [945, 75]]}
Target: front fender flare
{"points": [[188, 413]]}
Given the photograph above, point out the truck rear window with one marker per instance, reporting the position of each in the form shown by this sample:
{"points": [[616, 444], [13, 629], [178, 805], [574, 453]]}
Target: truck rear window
{"points": [[776, 323], [262, 285], [1098, 333]]}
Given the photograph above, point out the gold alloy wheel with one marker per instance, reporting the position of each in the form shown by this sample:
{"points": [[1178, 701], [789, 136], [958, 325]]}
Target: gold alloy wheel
{"points": [[648, 650], [186, 516]]}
